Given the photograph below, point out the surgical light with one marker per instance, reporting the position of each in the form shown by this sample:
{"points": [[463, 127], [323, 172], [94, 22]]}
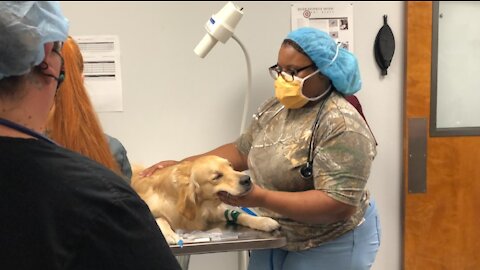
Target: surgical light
{"points": [[220, 27]]}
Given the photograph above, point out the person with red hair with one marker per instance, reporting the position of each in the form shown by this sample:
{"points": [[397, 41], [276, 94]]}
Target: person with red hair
{"points": [[73, 122]]}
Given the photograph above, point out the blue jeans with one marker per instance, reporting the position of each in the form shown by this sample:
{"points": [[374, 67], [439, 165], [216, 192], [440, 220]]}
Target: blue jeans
{"points": [[355, 250]]}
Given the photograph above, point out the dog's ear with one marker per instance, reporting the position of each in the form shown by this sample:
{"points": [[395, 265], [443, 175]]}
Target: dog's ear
{"points": [[186, 204], [187, 192]]}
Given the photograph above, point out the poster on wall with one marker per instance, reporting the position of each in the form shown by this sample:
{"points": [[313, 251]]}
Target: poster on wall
{"points": [[102, 73], [335, 18]]}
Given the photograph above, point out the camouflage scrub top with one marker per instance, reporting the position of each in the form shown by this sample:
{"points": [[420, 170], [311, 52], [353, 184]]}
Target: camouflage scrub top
{"points": [[277, 146]]}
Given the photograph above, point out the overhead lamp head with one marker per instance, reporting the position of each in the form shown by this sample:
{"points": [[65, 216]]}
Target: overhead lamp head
{"points": [[220, 27]]}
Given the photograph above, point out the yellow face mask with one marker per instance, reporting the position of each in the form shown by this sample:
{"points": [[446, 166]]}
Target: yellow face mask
{"points": [[290, 93]]}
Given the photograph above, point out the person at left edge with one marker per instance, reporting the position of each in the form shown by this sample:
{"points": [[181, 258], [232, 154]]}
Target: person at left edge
{"points": [[59, 209]]}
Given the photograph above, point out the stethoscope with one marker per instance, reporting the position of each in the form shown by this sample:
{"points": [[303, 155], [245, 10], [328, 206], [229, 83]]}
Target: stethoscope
{"points": [[306, 171], [25, 130]]}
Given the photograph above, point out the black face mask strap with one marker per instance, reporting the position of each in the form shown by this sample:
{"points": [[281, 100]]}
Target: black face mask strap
{"points": [[61, 77]]}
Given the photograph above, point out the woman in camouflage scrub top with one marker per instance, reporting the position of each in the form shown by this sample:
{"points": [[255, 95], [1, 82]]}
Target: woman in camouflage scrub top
{"points": [[329, 220]]}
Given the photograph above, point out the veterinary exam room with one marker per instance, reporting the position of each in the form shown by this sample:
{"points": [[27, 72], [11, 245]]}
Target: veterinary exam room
{"points": [[239, 135]]}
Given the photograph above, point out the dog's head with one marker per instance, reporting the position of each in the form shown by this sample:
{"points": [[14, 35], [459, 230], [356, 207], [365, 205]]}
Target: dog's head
{"points": [[214, 174], [208, 175]]}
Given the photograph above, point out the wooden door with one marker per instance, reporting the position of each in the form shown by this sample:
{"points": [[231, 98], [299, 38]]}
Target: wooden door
{"points": [[442, 224]]}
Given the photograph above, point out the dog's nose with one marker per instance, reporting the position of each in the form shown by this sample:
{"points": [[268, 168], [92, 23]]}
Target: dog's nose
{"points": [[245, 181]]}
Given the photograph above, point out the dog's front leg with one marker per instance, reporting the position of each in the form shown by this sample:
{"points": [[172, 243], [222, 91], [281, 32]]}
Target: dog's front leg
{"points": [[170, 236], [258, 223]]}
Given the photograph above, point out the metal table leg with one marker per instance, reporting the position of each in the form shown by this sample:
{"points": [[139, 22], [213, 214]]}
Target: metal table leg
{"points": [[183, 260]]}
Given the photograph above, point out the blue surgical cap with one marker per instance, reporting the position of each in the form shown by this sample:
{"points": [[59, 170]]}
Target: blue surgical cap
{"points": [[25, 26], [337, 63]]}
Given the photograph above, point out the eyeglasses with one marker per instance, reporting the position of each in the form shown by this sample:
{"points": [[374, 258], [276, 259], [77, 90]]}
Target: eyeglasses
{"points": [[57, 46], [287, 75]]}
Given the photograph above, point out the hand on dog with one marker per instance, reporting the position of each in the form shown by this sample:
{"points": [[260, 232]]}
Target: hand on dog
{"points": [[160, 165], [252, 198]]}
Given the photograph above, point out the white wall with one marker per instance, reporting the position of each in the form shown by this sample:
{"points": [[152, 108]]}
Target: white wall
{"points": [[176, 104]]}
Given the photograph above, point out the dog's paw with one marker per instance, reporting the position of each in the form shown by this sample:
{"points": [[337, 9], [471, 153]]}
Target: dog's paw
{"points": [[172, 238], [265, 224]]}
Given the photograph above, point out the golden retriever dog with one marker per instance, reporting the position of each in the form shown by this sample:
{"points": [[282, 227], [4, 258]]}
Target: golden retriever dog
{"points": [[184, 196]]}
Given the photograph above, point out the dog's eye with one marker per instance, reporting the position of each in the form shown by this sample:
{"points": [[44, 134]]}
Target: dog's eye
{"points": [[218, 176]]}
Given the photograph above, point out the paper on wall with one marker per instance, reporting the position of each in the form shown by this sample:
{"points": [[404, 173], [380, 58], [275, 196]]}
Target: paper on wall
{"points": [[333, 18], [103, 79]]}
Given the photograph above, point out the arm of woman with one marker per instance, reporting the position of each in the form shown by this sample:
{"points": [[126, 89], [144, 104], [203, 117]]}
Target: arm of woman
{"points": [[312, 206], [228, 151]]}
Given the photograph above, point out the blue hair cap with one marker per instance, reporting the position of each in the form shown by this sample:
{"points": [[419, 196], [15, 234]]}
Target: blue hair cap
{"points": [[25, 26], [337, 63]]}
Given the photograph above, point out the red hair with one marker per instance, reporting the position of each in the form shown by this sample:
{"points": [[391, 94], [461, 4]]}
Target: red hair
{"points": [[73, 122]]}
